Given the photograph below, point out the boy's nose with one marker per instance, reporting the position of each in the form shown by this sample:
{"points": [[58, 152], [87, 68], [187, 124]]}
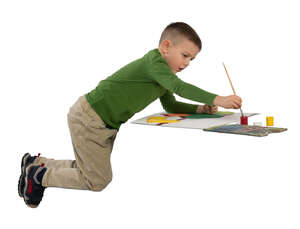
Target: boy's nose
{"points": [[186, 63]]}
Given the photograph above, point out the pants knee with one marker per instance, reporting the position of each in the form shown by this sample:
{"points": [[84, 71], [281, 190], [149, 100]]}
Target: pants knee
{"points": [[99, 184]]}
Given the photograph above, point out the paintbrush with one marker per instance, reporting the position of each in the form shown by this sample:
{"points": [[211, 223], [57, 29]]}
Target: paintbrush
{"points": [[232, 86]]}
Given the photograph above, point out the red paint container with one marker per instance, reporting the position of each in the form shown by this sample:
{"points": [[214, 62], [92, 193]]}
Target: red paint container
{"points": [[244, 120]]}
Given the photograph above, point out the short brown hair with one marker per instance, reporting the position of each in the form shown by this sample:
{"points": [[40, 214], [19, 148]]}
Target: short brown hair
{"points": [[177, 29]]}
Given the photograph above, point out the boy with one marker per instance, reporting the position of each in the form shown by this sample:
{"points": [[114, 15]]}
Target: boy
{"points": [[94, 120]]}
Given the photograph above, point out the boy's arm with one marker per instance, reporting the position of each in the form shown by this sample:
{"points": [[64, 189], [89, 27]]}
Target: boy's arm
{"points": [[169, 103], [163, 75]]}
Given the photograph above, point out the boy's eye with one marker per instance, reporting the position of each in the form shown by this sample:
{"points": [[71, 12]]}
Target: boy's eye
{"points": [[186, 56]]}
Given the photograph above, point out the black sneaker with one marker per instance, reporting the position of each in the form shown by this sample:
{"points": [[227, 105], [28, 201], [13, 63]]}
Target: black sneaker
{"points": [[33, 190], [27, 159]]}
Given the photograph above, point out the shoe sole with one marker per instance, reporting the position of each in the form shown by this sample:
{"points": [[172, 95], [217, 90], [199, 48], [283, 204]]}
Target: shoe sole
{"points": [[27, 171], [22, 176]]}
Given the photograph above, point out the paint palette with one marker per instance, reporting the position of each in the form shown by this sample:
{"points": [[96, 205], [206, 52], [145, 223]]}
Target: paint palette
{"points": [[257, 131]]}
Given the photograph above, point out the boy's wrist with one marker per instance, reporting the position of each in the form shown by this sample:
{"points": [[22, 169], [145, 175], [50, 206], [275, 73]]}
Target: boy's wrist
{"points": [[199, 109], [217, 100]]}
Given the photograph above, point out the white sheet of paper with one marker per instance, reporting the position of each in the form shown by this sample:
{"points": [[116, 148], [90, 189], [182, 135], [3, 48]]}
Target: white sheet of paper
{"points": [[195, 123]]}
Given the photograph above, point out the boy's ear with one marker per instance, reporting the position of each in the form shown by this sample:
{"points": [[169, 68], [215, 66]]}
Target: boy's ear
{"points": [[165, 45]]}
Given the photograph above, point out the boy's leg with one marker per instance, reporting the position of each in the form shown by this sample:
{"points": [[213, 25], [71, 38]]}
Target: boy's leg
{"points": [[51, 163], [92, 144], [28, 160]]}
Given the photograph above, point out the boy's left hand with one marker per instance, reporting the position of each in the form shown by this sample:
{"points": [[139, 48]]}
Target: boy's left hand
{"points": [[207, 109]]}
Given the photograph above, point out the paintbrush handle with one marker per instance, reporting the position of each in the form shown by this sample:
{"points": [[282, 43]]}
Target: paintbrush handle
{"points": [[229, 79], [231, 85]]}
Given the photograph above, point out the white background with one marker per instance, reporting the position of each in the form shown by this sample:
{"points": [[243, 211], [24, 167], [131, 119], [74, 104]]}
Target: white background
{"points": [[52, 52]]}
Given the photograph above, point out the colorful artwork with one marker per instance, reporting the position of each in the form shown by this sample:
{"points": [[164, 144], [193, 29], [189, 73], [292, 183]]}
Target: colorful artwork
{"points": [[225, 113], [197, 116], [160, 120], [192, 121], [174, 115], [163, 118], [258, 131]]}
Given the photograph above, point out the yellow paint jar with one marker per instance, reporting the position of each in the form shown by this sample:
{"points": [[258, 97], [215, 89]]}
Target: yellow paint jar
{"points": [[270, 120]]}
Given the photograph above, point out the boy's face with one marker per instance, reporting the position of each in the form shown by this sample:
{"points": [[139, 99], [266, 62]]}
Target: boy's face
{"points": [[179, 55]]}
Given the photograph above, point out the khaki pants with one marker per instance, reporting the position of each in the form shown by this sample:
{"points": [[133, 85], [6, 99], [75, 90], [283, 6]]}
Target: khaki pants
{"points": [[92, 144]]}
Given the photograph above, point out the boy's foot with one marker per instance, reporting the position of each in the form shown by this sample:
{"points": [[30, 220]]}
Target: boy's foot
{"points": [[33, 190], [27, 160]]}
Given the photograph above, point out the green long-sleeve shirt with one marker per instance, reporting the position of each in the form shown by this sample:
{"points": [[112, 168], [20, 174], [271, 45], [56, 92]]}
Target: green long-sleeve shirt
{"points": [[136, 85]]}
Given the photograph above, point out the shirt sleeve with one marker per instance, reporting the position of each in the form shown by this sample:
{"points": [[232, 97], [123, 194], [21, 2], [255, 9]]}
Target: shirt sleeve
{"points": [[169, 103], [161, 73]]}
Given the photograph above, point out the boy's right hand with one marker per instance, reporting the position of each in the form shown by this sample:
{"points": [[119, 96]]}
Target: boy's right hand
{"points": [[229, 102]]}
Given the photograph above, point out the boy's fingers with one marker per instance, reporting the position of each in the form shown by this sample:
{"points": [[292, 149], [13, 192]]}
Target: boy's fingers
{"points": [[206, 108], [238, 101], [211, 109], [236, 105]]}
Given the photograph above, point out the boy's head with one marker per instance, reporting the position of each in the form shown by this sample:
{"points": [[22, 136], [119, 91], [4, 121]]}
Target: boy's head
{"points": [[178, 45]]}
